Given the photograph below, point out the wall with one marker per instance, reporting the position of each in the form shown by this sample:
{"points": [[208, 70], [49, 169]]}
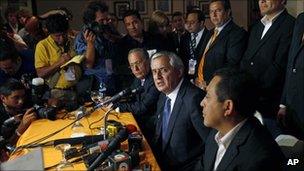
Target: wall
{"points": [[239, 9]]}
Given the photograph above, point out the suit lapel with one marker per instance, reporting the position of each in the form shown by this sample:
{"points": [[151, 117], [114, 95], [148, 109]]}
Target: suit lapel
{"points": [[210, 154], [233, 149], [274, 27], [199, 48], [222, 34], [159, 114], [175, 112]]}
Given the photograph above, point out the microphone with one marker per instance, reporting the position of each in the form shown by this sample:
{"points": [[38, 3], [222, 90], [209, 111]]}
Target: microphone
{"points": [[121, 136], [119, 96], [9, 121]]}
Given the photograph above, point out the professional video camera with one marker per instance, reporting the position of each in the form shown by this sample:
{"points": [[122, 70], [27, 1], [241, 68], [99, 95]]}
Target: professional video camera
{"points": [[98, 28]]}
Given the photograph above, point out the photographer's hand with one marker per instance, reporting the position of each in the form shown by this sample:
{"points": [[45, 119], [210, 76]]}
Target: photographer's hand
{"points": [[27, 119], [65, 57], [90, 52]]}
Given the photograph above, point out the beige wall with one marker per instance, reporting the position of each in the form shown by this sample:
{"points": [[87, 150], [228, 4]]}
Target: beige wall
{"points": [[239, 9]]}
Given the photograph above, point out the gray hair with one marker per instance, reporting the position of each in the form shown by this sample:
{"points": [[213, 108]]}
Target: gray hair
{"points": [[174, 60], [143, 53]]}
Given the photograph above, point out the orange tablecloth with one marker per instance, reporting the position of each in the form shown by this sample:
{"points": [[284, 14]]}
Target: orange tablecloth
{"points": [[43, 127]]}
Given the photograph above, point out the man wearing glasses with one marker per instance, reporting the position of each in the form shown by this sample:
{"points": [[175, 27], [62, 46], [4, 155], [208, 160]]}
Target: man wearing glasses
{"points": [[143, 106]]}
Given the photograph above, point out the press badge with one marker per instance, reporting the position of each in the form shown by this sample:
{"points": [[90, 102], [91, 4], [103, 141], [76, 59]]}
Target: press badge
{"points": [[69, 74], [192, 64]]}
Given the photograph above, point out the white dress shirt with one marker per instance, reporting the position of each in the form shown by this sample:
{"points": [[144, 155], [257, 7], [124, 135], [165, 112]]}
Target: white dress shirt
{"points": [[173, 95], [267, 22], [224, 141], [198, 37]]}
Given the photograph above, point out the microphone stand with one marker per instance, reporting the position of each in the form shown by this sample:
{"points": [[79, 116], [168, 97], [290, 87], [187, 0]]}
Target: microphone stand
{"points": [[106, 115]]}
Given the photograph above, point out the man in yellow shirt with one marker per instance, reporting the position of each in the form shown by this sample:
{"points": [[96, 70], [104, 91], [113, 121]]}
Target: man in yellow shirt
{"points": [[51, 53]]}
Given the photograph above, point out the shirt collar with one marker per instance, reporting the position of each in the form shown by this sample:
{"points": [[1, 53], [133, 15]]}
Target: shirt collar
{"points": [[226, 139], [222, 26], [265, 20], [173, 94]]}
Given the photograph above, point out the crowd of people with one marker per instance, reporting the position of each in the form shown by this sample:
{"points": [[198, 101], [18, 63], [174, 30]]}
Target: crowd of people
{"points": [[202, 90]]}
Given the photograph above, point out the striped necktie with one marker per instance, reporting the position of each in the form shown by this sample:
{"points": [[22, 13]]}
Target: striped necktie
{"points": [[200, 76], [193, 44]]}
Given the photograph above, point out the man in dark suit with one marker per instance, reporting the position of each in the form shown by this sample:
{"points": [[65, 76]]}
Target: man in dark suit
{"points": [[135, 38], [292, 108], [191, 46], [267, 53], [225, 45], [239, 141], [178, 29], [143, 106], [180, 133]]}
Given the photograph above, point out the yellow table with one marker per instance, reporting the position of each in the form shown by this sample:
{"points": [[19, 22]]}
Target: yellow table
{"points": [[43, 127]]}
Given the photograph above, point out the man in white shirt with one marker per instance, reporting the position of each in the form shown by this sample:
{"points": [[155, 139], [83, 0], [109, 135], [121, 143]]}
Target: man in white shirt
{"points": [[180, 133], [239, 141], [266, 56]]}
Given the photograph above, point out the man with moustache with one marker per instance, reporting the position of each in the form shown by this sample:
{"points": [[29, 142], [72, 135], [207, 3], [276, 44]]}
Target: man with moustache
{"points": [[180, 133]]}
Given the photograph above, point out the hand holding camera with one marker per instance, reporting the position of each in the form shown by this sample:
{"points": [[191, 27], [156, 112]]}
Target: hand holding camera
{"points": [[27, 119]]}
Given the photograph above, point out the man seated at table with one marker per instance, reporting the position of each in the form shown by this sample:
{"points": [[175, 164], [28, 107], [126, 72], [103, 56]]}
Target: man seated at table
{"points": [[12, 95], [144, 104], [180, 132], [238, 141]]}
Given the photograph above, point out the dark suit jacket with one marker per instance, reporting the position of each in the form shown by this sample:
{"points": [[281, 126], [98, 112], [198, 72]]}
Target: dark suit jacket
{"points": [[184, 50], [144, 102], [226, 50], [293, 96], [186, 131], [252, 148], [266, 59]]}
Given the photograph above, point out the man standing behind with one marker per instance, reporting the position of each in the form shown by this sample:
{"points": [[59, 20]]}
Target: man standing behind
{"points": [[144, 104], [267, 53], [292, 108], [225, 46], [51, 53], [239, 141], [178, 29], [136, 38], [191, 48], [180, 133]]}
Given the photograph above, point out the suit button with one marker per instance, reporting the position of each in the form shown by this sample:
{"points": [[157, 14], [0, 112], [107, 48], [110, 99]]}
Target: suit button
{"points": [[251, 63], [294, 70]]}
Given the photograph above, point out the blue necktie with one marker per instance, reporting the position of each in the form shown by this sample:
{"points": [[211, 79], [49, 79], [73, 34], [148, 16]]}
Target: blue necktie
{"points": [[166, 117]]}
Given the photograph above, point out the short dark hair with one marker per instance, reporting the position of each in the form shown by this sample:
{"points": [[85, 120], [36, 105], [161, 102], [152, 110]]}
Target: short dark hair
{"points": [[7, 49], [89, 15], [240, 87], [177, 13], [226, 3], [10, 86], [200, 14], [132, 13], [57, 23], [10, 10]]}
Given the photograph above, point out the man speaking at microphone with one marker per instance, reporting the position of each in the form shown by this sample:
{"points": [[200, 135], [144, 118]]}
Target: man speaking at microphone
{"points": [[180, 132], [143, 106]]}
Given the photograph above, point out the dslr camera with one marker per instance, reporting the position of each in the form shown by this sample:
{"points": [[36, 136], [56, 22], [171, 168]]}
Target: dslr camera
{"points": [[98, 28], [45, 112]]}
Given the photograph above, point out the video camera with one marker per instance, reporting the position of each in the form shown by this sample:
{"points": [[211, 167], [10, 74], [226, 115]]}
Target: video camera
{"points": [[98, 28]]}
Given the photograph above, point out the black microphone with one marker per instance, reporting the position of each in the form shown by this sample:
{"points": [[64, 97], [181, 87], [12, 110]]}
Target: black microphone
{"points": [[118, 96], [121, 136]]}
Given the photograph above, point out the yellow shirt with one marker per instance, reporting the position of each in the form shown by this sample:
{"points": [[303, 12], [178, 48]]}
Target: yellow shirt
{"points": [[47, 53]]}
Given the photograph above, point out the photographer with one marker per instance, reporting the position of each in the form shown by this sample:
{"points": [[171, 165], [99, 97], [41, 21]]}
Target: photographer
{"points": [[92, 42], [14, 119]]}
